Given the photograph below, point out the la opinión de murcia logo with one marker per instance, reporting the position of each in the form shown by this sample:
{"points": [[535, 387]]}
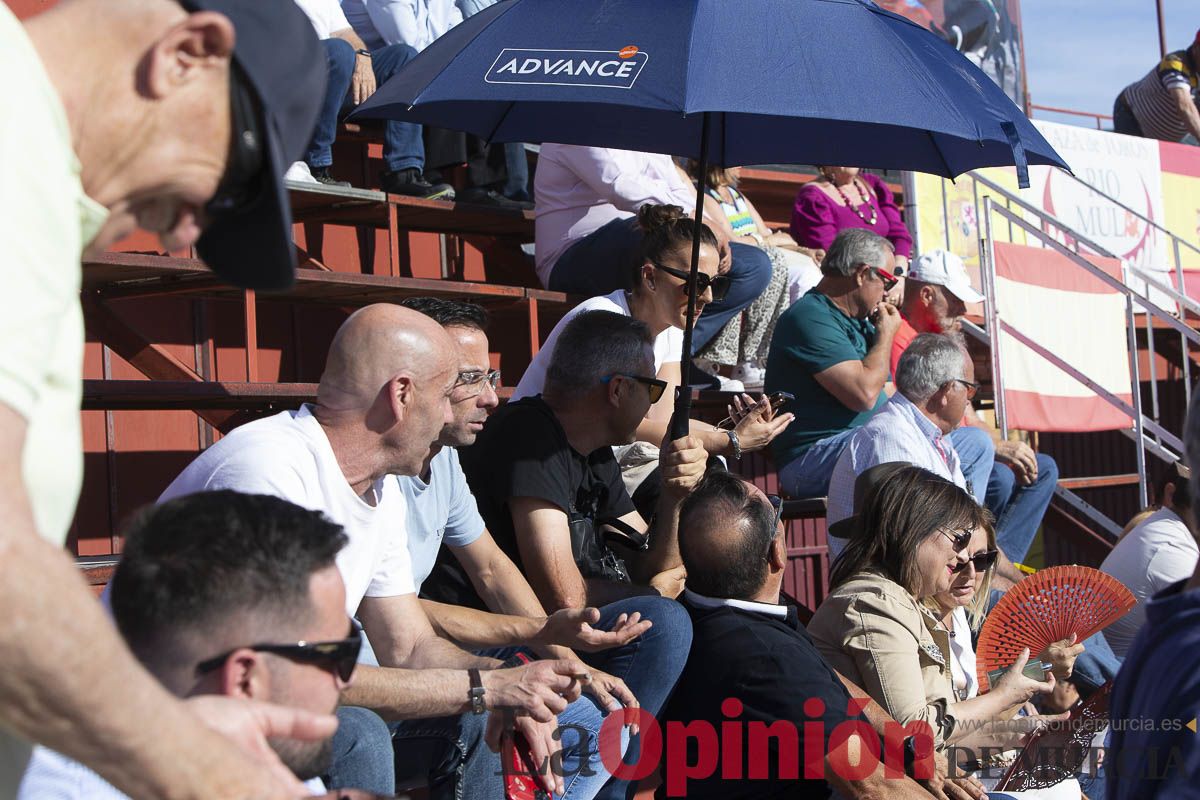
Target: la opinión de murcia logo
{"points": [[612, 69]]}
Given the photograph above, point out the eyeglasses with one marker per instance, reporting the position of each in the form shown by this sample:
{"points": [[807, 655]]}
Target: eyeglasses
{"points": [[982, 562], [719, 283], [240, 185], [655, 386], [477, 377], [889, 280], [972, 388], [960, 539], [339, 656]]}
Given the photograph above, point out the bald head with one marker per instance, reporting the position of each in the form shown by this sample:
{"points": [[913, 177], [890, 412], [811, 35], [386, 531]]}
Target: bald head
{"points": [[726, 526], [376, 344]]}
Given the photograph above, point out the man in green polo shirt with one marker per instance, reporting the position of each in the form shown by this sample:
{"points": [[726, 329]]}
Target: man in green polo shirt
{"points": [[830, 349]]}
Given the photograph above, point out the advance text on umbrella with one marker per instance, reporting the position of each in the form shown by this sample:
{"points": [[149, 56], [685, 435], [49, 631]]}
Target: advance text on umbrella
{"points": [[616, 69]]}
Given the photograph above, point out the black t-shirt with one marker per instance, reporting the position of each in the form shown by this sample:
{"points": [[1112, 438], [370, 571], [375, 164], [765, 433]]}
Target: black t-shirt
{"points": [[523, 451], [771, 665]]}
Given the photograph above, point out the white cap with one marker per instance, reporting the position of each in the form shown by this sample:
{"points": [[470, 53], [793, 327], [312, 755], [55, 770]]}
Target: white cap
{"points": [[944, 269]]}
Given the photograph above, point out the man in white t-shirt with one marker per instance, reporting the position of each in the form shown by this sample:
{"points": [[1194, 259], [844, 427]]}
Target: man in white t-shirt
{"points": [[1158, 552], [217, 594], [382, 400], [355, 69]]}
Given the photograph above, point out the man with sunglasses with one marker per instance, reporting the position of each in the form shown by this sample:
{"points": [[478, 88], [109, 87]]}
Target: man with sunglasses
{"points": [[177, 118], [935, 381], [1009, 477], [830, 350], [752, 664], [549, 488], [234, 596]]}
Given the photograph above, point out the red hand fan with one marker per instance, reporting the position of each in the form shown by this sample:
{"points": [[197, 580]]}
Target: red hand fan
{"points": [[1045, 608]]}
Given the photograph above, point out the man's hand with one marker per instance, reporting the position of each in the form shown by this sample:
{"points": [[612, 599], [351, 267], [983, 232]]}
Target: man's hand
{"points": [[542, 743], [1062, 655], [611, 692], [669, 583], [540, 690], [362, 83], [249, 724], [886, 319], [758, 425], [572, 627], [1021, 458], [682, 463]]}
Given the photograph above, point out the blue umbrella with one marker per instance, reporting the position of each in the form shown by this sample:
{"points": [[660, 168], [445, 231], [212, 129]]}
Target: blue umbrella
{"points": [[746, 82]]}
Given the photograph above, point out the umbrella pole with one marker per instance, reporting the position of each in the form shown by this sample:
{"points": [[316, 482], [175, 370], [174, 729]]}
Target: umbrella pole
{"points": [[683, 395]]}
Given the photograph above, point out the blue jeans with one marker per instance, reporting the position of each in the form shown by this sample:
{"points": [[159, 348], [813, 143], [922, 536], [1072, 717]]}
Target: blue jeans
{"points": [[976, 455], [517, 166], [362, 753], [605, 260], [650, 665], [808, 475], [403, 146], [1123, 119], [1019, 509], [450, 753]]}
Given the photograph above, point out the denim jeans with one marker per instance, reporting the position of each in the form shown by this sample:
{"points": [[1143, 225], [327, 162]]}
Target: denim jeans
{"points": [[362, 753], [1019, 509], [1123, 119], [517, 165], [808, 475], [650, 665], [402, 143], [603, 261], [450, 753], [976, 455]]}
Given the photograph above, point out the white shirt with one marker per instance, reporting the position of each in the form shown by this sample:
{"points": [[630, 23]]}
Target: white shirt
{"points": [[962, 661], [53, 776], [325, 15], [289, 456], [668, 345], [1158, 552], [897, 432], [581, 189], [416, 23], [768, 609]]}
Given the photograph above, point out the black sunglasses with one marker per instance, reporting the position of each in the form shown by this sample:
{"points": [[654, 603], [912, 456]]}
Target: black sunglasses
{"points": [[960, 539], [339, 656], [719, 283], [656, 386], [972, 388], [242, 182], [983, 562]]}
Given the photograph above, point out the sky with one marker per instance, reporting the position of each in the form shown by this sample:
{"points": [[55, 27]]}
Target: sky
{"points": [[1080, 53]]}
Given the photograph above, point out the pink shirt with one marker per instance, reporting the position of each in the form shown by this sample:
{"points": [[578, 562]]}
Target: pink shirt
{"points": [[817, 218], [581, 189]]}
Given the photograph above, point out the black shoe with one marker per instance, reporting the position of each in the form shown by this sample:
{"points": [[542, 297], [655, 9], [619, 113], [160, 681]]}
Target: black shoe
{"points": [[410, 183], [700, 379], [489, 197], [321, 174]]}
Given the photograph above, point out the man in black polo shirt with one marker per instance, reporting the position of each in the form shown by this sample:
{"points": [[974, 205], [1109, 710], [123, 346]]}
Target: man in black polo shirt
{"points": [[752, 664], [547, 485]]}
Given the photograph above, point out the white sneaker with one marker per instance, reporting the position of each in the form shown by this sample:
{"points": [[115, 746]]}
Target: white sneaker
{"points": [[300, 173], [725, 384], [751, 375]]}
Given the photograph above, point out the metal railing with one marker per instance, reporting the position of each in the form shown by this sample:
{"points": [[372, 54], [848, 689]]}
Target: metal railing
{"points": [[1072, 112], [1146, 431]]}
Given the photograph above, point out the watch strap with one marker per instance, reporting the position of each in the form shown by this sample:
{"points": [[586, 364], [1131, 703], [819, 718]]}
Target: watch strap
{"points": [[477, 692]]}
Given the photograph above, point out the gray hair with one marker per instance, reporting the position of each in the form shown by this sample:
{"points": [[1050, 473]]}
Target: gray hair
{"points": [[930, 362], [854, 247], [594, 345]]}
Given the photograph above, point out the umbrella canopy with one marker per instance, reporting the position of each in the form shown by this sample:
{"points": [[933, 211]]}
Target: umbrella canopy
{"points": [[785, 81]]}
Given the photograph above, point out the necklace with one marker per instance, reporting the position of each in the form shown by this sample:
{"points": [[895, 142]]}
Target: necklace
{"points": [[866, 201]]}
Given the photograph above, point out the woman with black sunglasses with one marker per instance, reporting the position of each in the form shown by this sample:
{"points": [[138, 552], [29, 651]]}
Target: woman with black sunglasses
{"points": [[910, 542], [658, 297]]}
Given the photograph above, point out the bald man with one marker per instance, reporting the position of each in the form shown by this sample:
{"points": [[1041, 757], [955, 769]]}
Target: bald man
{"points": [[383, 400]]}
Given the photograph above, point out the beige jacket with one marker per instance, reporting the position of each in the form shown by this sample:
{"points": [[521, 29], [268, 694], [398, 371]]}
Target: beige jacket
{"points": [[871, 630]]}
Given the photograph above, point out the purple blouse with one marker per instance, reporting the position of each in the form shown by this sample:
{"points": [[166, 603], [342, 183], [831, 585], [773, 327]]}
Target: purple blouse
{"points": [[817, 218]]}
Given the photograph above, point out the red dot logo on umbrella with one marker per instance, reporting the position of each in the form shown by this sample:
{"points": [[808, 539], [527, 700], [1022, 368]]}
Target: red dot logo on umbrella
{"points": [[629, 51]]}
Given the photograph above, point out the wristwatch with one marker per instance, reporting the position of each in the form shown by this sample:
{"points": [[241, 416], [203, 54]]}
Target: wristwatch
{"points": [[735, 444], [476, 693], [361, 52]]}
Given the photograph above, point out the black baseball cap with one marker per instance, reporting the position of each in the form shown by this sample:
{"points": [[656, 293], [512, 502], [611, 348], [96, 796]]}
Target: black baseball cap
{"points": [[277, 85]]}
